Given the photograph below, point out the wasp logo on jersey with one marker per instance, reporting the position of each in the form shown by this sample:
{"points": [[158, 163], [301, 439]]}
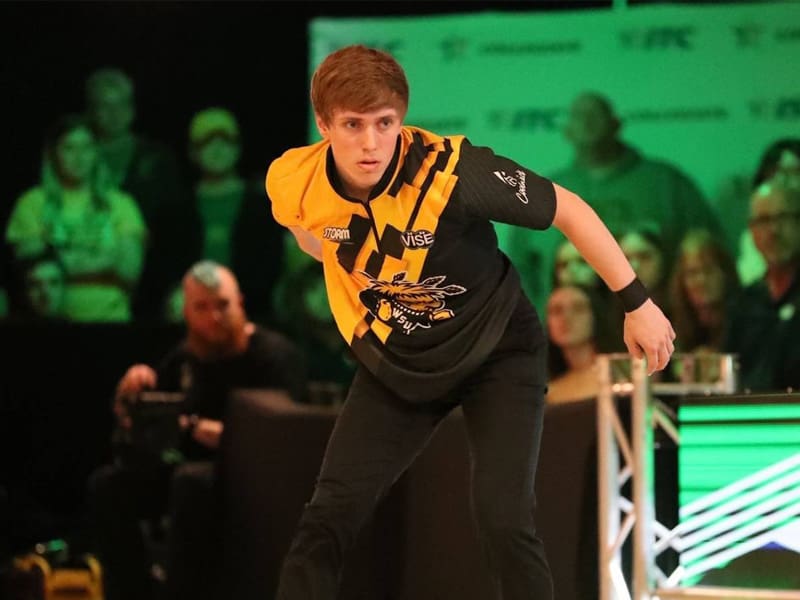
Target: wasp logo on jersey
{"points": [[405, 305], [337, 234], [417, 239]]}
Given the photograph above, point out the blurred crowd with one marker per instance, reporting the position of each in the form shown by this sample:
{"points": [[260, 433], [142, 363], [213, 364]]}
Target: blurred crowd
{"points": [[121, 228], [117, 217]]}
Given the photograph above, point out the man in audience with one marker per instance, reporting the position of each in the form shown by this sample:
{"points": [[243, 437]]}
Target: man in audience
{"points": [[222, 351], [234, 222], [764, 325], [626, 189], [149, 171]]}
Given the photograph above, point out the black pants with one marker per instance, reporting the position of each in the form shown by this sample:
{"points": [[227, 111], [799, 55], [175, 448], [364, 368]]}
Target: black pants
{"points": [[121, 497], [376, 438]]}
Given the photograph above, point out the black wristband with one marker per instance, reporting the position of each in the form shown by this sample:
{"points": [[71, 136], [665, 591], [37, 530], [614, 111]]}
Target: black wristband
{"points": [[633, 295]]}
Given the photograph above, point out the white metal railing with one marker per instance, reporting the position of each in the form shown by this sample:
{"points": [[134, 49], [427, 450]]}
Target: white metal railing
{"points": [[627, 456]]}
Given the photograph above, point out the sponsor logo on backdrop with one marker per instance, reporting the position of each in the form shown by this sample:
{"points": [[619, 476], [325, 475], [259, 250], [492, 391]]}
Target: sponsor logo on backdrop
{"points": [[393, 47], [678, 113], [454, 48], [677, 37], [792, 34], [751, 35], [778, 109], [786, 108], [748, 35], [527, 48], [528, 119]]}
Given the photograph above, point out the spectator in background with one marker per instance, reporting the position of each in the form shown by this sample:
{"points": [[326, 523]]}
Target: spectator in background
{"points": [[96, 230], [149, 171], [781, 156], [222, 351], [41, 283], [236, 227], [702, 285], [533, 256], [647, 253], [302, 310], [578, 329], [572, 269], [625, 188], [764, 327]]}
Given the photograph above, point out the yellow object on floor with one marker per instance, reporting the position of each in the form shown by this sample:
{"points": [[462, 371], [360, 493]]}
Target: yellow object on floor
{"points": [[80, 582]]}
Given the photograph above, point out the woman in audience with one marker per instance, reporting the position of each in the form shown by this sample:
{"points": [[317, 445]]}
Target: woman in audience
{"points": [[578, 330], [651, 261], [96, 230], [572, 268], [702, 284]]}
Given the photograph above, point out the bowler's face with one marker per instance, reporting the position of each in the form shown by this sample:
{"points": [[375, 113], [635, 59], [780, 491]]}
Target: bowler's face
{"points": [[363, 145]]}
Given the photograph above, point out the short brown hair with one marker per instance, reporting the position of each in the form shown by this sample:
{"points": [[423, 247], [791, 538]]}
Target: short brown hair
{"points": [[358, 78]]}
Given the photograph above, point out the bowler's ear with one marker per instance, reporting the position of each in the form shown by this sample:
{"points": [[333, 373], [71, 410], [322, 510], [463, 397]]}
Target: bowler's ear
{"points": [[321, 126]]}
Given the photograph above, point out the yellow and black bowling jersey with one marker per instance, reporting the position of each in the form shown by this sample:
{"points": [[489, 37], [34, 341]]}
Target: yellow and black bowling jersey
{"points": [[415, 279]]}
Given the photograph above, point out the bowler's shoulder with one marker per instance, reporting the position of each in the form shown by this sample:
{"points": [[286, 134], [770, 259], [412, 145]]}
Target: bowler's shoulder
{"points": [[417, 135], [296, 162]]}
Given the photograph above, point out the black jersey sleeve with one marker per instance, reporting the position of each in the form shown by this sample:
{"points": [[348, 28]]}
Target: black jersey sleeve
{"points": [[499, 189]]}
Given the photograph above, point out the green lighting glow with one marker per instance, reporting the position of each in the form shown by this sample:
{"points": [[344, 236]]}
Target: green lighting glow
{"points": [[747, 412], [739, 477]]}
